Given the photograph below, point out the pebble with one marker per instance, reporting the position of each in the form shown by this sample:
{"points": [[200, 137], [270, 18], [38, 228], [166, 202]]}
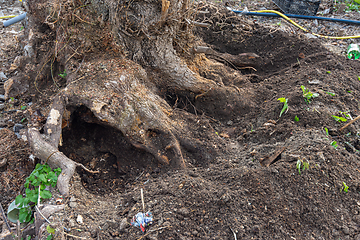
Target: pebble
{"points": [[184, 211], [79, 219], [2, 97], [123, 224], [346, 230], [73, 204], [2, 106], [3, 76]]}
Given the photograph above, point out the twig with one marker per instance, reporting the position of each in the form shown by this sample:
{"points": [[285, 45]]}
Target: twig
{"points": [[18, 232], [90, 171], [70, 235], [4, 217], [38, 210], [142, 199], [139, 176], [38, 201], [351, 122], [152, 231], [233, 233]]}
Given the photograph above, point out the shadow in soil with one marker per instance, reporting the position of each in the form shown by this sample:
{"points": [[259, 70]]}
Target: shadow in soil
{"points": [[102, 148]]}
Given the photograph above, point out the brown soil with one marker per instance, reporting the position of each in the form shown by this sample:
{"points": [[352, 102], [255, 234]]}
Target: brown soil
{"points": [[228, 192]]}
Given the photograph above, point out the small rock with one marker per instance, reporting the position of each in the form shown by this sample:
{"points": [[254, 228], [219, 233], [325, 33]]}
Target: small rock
{"points": [[29, 51], [123, 224], [346, 230], [3, 76], [184, 211], [335, 233], [72, 222], [2, 97], [73, 204], [79, 219], [72, 199], [230, 123], [2, 106]]}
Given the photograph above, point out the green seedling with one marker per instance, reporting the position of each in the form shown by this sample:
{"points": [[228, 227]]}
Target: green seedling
{"points": [[35, 185], [304, 164], [285, 107], [346, 114], [296, 119], [307, 94], [328, 72], [345, 189], [334, 144], [331, 94], [358, 78], [51, 231], [326, 131], [339, 119], [23, 107], [63, 74]]}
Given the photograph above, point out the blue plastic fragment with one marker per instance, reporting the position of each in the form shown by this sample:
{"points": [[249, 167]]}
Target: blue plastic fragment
{"points": [[142, 220]]}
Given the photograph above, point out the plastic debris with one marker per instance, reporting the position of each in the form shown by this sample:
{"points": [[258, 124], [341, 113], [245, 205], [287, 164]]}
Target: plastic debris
{"points": [[353, 51], [142, 220]]}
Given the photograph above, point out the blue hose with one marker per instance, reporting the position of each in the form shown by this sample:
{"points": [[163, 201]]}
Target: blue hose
{"points": [[298, 16], [14, 20]]}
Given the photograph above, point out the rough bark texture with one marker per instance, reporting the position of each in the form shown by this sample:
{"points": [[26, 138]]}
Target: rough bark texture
{"points": [[105, 46]]}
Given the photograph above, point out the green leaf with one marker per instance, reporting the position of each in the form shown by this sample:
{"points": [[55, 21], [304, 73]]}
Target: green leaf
{"points": [[42, 178], [334, 144], [338, 119], [285, 107], [298, 166], [33, 197], [45, 194], [57, 171], [331, 94], [296, 119], [19, 200], [23, 107], [345, 187], [50, 229], [327, 132], [49, 237]]}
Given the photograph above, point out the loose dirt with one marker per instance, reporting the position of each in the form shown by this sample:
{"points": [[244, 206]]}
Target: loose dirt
{"points": [[232, 193]]}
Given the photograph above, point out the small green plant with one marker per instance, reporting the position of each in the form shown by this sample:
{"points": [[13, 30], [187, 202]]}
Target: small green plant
{"points": [[303, 163], [51, 231], [296, 119], [358, 78], [345, 188], [63, 74], [285, 107], [346, 114], [23, 107], [328, 72], [334, 144], [35, 184], [307, 94], [339, 119], [22, 28], [331, 94], [326, 131]]}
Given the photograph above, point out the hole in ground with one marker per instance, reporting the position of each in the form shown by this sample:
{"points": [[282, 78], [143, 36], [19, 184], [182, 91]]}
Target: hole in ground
{"points": [[100, 147]]}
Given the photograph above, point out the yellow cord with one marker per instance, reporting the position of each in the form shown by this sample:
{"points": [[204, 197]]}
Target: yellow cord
{"points": [[304, 29], [11, 16]]}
